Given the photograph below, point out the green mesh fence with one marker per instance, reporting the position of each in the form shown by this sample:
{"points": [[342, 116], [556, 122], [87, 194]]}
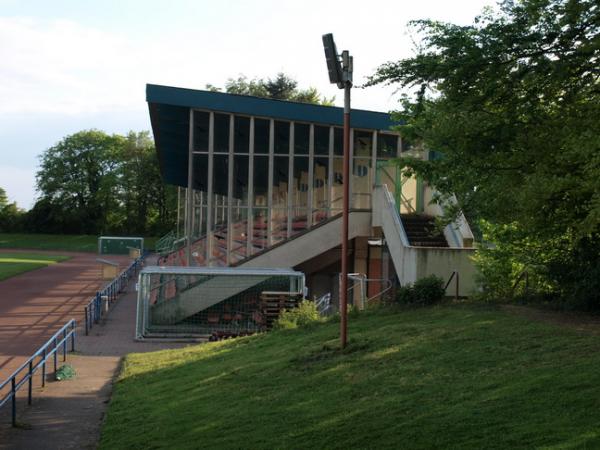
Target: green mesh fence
{"points": [[200, 301], [119, 245]]}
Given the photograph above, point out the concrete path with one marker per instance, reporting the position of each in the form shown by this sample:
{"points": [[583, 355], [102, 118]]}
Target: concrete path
{"points": [[68, 414]]}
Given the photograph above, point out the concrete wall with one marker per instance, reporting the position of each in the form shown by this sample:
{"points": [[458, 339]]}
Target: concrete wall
{"points": [[412, 263]]}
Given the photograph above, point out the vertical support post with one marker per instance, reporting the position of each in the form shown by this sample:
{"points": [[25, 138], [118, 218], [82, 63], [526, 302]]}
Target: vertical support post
{"points": [[457, 286], [250, 223], [210, 190], [64, 344], [290, 202], [13, 391], [44, 368], [230, 166], [311, 176], [345, 212], [87, 330], [30, 383], [55, 355], [270, 183], [330, 172], [73, 325], [190, 192]]}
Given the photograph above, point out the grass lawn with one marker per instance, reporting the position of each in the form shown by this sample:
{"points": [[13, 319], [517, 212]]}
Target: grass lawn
{"points": [[68, 242], [12, 264], [461, 377]]}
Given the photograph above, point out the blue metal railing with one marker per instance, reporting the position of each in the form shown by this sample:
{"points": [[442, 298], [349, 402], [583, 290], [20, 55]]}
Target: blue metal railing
{"points": [[95, 309], [34, 363]]}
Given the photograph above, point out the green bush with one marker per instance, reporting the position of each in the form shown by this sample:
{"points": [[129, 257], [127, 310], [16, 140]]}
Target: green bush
{"points": [[304, 315], [425, 291]]}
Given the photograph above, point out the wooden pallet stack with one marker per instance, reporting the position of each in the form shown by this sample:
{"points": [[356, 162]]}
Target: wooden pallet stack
{"points": [[273, 303]]}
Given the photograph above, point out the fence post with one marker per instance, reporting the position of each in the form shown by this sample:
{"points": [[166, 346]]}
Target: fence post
{"points": [[65, 344], [457, 287], [86, 321], [44, 368], [30, 386], [55, 356], [13, 389], [73, 325]]}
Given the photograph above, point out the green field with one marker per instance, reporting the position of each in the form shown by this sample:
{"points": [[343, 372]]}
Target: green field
{"points": [[66, 242], [460, 377], [12, 264]]}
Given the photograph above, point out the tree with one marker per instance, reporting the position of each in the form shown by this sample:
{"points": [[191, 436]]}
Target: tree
{"points": [[282, 87], [77, 176], [511, 103], [11, 215]]}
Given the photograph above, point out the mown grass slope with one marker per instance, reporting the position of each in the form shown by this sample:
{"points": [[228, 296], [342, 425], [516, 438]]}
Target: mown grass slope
{"points": [[464, 377], [12, 264]]}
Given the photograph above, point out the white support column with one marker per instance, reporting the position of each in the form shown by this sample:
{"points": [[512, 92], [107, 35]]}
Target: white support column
{"points": [[330, 172], [270, 183], [311, 184], [210, 190], [290, 181], [373, 164], [189, 193], [250, 223], [230, 189]]}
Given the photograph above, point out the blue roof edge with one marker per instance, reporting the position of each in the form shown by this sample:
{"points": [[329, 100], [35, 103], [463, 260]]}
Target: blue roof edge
{"points": [[256, 106]]}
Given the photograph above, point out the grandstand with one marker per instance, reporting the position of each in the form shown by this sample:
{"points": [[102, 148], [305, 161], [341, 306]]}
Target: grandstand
{"points": [[260, 186]]}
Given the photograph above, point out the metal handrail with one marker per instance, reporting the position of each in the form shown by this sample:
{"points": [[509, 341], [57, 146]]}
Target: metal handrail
{"points": [[93, 311], [50, 348]]}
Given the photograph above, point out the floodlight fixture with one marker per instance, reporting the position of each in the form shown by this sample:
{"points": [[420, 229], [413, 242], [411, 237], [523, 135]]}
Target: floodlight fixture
{"points": [[334, 65]]}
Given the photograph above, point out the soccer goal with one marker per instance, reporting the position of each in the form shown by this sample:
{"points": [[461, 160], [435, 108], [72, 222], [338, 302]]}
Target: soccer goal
{"points": [[204, 301], [119, 245]]}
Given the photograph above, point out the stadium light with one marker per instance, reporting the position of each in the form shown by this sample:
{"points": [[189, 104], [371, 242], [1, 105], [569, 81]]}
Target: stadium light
{"points": [[340, 73]]}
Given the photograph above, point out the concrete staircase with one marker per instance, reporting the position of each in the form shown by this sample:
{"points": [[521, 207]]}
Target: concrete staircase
{"points": [[421, 231]]}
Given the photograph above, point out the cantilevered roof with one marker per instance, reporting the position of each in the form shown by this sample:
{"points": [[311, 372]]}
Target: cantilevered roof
{"points": [[169, 115]]}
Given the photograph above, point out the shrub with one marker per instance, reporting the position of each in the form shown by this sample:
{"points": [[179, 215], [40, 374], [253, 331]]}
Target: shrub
{"points": [[304, 315], [425, 291]]}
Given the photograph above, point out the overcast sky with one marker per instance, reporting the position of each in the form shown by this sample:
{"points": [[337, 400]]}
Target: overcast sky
{"points": [[66, 66]]}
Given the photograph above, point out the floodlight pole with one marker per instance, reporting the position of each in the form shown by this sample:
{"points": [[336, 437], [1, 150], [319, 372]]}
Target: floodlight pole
{"points": [[347, 79], [340, 73]]}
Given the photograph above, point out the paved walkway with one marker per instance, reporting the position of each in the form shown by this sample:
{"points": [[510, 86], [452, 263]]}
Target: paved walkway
{"points": [[68, 414]]}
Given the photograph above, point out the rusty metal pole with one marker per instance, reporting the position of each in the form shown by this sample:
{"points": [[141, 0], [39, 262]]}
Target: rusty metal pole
{"points": [[345, 213]]}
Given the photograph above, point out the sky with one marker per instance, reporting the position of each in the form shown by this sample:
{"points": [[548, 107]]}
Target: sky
{"points": [[68, 66]]}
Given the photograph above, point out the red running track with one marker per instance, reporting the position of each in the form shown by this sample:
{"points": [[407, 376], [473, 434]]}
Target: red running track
{"points": [[34, 305]]}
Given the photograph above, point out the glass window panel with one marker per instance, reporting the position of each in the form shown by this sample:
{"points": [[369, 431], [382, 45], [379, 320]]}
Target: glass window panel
{"points": [[240, 179], [338, 141], [337, 190], [321, 140], [299, 222], [361, 183], [259, 229], [363, 143], [280, 181], [201, 122], [261, 180], [220, 174], [201, 172], [221, 133], [301, 138], [261, 136], [300, 182], [239, 232], [320, 172], [387, 145], [241, 140], [282, 137], [278, 225]]}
